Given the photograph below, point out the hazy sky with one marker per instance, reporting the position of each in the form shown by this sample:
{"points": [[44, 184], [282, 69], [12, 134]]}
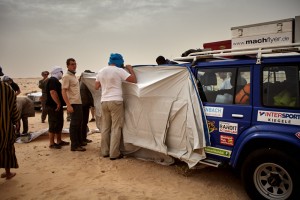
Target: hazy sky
{"points": [[35, 35]]}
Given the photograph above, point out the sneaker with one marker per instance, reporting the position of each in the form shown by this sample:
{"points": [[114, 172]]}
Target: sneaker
{"points": [[78, 149], [63, 143], [55, 146], [92, 120]]}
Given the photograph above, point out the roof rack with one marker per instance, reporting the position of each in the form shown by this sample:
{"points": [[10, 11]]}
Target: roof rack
{"points": [[251, 51]]}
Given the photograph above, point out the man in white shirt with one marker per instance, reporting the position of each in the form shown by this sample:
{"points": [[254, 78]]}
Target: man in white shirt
{"points": [[110, 80]]}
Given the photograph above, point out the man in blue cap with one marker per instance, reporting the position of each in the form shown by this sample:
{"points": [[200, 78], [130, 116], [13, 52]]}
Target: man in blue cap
{"points": [[110, 80]]}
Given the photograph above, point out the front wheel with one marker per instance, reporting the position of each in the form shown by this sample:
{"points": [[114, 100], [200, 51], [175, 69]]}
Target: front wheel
{"points": [[270, 174]]}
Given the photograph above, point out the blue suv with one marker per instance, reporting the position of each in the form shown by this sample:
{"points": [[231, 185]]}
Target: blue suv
{"points": [[252, 106]]}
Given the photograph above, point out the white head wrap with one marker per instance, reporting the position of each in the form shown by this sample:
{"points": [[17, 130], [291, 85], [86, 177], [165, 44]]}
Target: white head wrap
{"points": [[5, 78], [57, 72]]}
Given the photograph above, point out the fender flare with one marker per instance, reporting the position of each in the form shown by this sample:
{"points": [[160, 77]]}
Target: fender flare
{"points": [[260, 133]]}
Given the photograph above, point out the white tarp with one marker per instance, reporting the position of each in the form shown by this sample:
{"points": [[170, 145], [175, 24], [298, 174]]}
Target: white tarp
{"points": [[163, 115]]}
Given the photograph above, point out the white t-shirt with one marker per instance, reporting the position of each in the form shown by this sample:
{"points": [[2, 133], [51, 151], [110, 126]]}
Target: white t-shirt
{"points": [[111, 78]]}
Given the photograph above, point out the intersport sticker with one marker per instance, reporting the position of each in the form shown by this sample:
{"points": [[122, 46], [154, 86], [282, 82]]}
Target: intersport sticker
{"points": [[278, 117]]}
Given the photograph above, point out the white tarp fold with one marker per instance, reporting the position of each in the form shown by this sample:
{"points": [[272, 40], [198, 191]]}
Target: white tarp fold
{"points": [[163, 115]]}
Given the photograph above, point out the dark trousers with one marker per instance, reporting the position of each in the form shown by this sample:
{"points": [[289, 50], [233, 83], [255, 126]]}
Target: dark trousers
{"points": [[44, 110], [85, 120], [24, 124], [75, 126]]}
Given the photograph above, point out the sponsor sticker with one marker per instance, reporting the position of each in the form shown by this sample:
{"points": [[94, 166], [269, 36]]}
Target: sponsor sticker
{"points": [[298, 135], [278, 117], [227, 140], [218, 151], [213, 111], [211, 126], [227, 127]]}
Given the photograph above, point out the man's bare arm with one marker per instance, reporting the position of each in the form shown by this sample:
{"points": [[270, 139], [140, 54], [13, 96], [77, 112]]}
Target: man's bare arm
{"points": [[66, 99], [132, 77], [55, 98], [97, 85]]}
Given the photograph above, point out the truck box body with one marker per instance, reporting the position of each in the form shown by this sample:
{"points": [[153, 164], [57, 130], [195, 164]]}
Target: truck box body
{"points": [[297, 29], [263, 34]]}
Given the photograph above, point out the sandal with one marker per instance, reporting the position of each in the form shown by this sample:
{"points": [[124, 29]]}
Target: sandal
{"points": [[12, 174]]}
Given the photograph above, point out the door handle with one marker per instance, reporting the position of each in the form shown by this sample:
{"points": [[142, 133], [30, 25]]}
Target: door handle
{"points": [[237, 116]]}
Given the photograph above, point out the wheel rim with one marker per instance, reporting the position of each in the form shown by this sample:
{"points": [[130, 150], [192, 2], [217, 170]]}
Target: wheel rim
{"points": [[273, 181]]}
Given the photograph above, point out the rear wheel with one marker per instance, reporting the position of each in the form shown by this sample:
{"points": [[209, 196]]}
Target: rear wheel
{"points": [[270, 174]]}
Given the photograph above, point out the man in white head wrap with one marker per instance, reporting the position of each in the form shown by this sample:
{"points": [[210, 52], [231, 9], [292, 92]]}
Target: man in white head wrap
{"points": [[55, 105]]}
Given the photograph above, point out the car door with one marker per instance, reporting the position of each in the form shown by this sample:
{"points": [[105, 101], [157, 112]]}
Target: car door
{"points": [[226, 96]]}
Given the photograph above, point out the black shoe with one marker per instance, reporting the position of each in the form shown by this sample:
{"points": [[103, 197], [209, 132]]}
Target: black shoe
{"points": [[55, 146], [88, 141], [78, 149], [119, 157], [83, 143], [63, 143], [106, 156]]}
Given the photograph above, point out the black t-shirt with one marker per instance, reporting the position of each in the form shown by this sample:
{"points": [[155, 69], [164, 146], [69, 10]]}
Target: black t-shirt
{"points": [[54, 84]]}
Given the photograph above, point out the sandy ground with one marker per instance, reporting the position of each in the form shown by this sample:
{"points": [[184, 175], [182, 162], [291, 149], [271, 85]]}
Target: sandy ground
{"points": [[62, 174]]}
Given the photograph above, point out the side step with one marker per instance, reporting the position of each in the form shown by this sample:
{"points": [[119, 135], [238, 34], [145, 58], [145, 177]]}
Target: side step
{"points": [[210, 162]]}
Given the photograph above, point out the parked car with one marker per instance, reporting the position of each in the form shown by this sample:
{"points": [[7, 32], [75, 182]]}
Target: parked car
{"points": [[35, 97]]}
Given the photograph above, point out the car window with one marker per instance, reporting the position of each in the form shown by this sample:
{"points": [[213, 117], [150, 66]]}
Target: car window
{"points": [[224, 85], [281, 86]]}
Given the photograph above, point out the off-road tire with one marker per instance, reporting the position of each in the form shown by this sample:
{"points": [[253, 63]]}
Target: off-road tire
{"points": [[271, 174]]}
